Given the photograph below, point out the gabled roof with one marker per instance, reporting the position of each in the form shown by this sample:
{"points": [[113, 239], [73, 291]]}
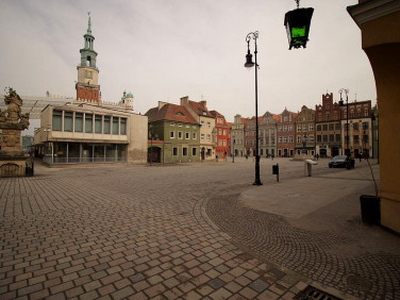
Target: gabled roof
{"points": [[200, 109], [170, 112]]}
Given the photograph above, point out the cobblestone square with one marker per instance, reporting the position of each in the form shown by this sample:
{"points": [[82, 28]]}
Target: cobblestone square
{"points": [[184, 231]]}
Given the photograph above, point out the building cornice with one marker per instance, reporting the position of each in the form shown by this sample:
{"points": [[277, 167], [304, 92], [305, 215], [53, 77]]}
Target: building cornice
{"points": [[372, 9]]}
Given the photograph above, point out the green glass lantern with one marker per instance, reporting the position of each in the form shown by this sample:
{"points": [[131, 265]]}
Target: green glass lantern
{"points": [[297, 23]]}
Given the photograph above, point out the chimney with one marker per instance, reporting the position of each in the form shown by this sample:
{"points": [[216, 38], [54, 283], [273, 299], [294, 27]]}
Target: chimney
{"points": [[161, 104], [185, 100]]}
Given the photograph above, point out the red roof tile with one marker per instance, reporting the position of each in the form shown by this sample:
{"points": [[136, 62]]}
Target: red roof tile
{"points": [[200, 108], [171, 112]]}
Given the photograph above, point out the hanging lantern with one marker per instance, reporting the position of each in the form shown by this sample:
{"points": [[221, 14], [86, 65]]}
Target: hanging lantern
{"points": [[297, 23]]}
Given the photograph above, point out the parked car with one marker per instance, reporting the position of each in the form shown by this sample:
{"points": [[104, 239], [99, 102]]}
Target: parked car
{"points": [[342, 161]]}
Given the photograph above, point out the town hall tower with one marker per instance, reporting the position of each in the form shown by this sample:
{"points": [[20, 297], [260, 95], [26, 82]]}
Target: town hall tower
{"points": [[87, 87]]}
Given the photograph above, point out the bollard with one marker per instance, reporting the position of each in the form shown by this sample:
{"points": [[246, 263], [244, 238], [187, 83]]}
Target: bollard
{"points": [[275, 171]]}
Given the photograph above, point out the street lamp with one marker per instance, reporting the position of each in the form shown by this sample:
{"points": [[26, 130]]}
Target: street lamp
{"points": [[233, 150], [151, 136], [249, 64], [346, 91], [297, 23], [305, 144]]}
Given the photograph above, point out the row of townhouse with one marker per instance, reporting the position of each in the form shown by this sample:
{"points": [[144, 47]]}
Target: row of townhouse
{"points": [[188, 132], [331, 129]]}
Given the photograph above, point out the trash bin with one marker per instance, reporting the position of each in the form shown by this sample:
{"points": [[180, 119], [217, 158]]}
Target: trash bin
{"points": [[370, 209]]}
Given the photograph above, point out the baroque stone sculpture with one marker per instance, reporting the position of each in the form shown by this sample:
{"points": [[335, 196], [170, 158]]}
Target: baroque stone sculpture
{"points": [[12, 159]]}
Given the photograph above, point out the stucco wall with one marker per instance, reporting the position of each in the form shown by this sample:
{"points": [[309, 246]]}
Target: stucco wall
{"points": [[138, 133]]}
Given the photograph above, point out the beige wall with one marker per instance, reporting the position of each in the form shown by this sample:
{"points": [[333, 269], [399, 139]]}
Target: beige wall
{"points": [[381, 42], [138, 136]]}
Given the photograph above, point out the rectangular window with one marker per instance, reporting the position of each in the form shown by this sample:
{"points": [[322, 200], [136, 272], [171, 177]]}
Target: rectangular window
{"points": [[298, 128], [325, 138], [88, 123], [318, 127], [356, 139], [115, 126], [318, 138], [331, 138], [194, 151], [304, 127], [194, 135], [180, 135], [202, 136], [365, 125], [187, 135], [299, 139], [208, 124], [184, 151], [338, 139], [172, 134], [57, 118], [107, 124], [365, 139], [172, 124], [179, 125], [78, 122], [208, 137], [311, 127], [123, 126], [98, 120], [325, 127], [311, 138], [68, 120], [331, 126], [355, 126], [175, 151], [290, 138], [337, 127]]}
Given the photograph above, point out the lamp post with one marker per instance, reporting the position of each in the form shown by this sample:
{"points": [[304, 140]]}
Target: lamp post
{"points": [[346, 91], [151, 136], [151, 143], [233, 150], [249, 64]]}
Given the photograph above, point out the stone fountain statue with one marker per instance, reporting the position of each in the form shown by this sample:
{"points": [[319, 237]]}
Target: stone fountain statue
{"points": [[13, 161]]}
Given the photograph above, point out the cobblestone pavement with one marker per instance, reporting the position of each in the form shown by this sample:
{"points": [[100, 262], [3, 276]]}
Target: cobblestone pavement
{"points": [[139, 232]]}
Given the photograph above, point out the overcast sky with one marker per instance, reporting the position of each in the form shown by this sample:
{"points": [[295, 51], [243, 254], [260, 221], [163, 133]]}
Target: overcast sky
{"points": [[162, 50]]}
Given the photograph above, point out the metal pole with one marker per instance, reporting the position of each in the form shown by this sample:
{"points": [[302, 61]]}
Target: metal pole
{"points": [[347, 122], [257, 165], [233, 152]]}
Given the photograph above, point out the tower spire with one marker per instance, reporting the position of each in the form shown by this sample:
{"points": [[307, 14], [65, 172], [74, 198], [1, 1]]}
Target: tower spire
{"points": [[89, 30]]}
